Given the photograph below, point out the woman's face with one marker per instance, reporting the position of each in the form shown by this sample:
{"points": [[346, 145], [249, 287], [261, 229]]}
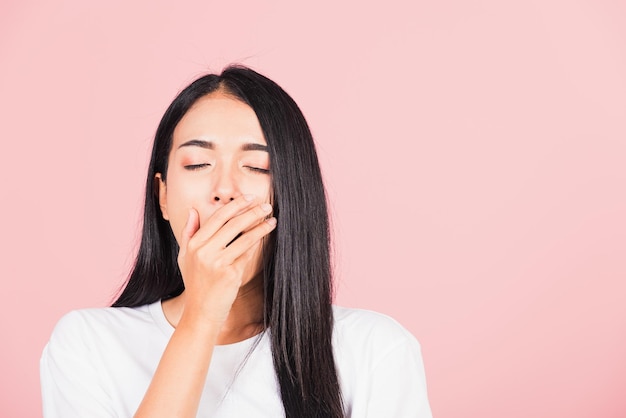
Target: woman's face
{"points": [[218, 153]]}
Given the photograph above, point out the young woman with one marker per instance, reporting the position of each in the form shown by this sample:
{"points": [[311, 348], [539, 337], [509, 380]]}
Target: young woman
{"points": [[227, 311]]}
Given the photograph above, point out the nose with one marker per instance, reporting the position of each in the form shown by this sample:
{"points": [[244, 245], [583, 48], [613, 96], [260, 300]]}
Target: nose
{"points": [[225, 188]]}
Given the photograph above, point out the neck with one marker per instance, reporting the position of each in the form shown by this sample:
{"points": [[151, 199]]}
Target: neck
{"points": [[245, 319]]}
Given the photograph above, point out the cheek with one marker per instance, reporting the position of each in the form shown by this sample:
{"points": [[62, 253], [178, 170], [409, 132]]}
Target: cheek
{"points": [[181, 196], [260, 186]]}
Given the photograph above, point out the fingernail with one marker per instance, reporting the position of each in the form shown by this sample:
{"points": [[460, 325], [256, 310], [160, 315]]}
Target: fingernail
{"points": [[271, 221], [248, 197], [266, 207]]}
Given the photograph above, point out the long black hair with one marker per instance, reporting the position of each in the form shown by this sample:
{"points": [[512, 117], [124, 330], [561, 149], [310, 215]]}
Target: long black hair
{"points": [[297, 269]]}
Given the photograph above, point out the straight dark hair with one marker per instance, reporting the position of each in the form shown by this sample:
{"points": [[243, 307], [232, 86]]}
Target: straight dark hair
{"points": [[297, 268]]}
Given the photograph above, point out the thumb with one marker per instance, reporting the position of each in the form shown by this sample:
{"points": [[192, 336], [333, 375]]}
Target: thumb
{"points": [[190, 228]]}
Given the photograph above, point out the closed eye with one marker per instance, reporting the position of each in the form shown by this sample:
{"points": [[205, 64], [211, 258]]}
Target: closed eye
{"points": [[193, 167], [257, 169]]}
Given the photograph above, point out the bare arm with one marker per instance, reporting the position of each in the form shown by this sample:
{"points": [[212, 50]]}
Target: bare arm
{"points": [[213, 272]]}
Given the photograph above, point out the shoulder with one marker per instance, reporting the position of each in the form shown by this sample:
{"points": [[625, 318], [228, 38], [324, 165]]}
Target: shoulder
{"points": [[370, 334], [96, 361], [380, 365], [82, 319], [98, 337], [366, 324], [80, 327]]}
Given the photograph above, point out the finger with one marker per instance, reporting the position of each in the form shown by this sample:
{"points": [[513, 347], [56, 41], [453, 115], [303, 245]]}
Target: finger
{"points": [[248, 239], [191, 226], [223, 215], [240, 224]]}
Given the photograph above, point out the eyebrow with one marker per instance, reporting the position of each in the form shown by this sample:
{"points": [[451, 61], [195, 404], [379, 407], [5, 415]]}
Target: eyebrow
{"points": [[249, 146], [253, 146], [198, 143]]}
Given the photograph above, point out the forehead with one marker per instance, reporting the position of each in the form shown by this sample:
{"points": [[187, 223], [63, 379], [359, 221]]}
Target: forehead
{"points": [[219, 118]]}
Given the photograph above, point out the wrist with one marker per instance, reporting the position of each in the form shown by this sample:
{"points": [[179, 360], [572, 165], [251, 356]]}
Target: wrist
{"points": [[200, 325]]}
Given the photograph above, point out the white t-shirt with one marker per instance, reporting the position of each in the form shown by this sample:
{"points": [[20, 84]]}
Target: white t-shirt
{"points": [[99, 363]]}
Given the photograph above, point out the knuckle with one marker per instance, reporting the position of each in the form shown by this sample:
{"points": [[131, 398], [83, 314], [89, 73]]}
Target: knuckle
{"points": [[219, 263], [191, 249], [221, 215], [192, 245], [201, 254], [246, 239], [263, 210]]}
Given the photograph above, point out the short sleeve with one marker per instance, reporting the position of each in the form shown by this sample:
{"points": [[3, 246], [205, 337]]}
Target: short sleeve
{"points": [[69, 374], [398, 383]]}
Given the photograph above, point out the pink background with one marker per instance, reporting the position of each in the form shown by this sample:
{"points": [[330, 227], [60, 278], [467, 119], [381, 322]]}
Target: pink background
{"points": [[475, 155]]}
